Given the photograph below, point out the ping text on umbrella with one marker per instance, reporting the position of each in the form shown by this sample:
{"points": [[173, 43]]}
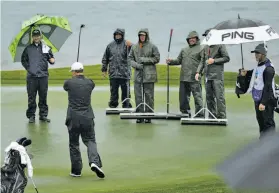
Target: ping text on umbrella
{"points": [[233, 35]]}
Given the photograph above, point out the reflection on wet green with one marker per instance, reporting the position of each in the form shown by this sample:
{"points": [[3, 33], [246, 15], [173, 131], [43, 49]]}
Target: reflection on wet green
{"points": [[133, 154], [39, 133]]}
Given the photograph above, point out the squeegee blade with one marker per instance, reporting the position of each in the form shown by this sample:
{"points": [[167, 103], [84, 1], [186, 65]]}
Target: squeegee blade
{"points": [[117, 111], [201, 121], [164, 116]]}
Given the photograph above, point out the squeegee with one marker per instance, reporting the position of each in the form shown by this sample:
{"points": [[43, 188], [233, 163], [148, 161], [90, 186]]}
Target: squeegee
{"points": [[117, 111], [204, 121], [154, 115]]}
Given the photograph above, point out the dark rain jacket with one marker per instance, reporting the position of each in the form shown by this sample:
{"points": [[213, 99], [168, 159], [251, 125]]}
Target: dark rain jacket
{"points": [[115, 58], [79, 91], [35, 61]]}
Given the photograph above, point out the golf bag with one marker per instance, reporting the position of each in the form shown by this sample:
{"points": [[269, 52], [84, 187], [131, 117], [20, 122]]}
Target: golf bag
{"points": [[242, 83], [13, 178]]}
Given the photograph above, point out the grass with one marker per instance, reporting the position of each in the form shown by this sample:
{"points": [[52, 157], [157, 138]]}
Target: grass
{"points": [[58, 75]]}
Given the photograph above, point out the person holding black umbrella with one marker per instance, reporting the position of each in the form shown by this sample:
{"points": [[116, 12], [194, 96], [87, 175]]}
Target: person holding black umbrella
{"points": [[35, 59], [80, 121], [216, 56], [262, 87]]}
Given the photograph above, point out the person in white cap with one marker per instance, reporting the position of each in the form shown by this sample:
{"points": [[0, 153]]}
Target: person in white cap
{"points": [[80, 121]]}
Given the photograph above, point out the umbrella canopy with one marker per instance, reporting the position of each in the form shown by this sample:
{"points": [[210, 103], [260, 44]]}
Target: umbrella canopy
{"points": [[256, 167], [55, 31], [238, 31]]}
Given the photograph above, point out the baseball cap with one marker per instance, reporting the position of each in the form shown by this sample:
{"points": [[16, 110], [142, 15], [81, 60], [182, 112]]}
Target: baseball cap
{"points": [[76, 66], [36, 32], [142, 33], [261, 48]]}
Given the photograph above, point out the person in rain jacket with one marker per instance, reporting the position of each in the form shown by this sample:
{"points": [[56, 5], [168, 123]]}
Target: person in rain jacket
{"points": [[115, 57], [215, 57], [35, 59], [189, 58], [143, 58], [262, 87], [80, 121]]}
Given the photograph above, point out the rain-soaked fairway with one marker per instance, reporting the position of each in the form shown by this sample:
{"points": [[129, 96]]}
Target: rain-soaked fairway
{"points": [[160, 157]]}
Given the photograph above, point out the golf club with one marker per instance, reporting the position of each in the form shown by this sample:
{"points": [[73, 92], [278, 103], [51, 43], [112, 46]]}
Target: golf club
{"points": [[34, 185], [81, 26]]}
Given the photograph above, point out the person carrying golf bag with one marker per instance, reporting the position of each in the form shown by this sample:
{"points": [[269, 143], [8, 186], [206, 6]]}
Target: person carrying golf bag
{"points": [[35, 59], [189, 58], [262, 88], [215, 57], [143, 58], [13, 178], [115, 57], [80, 121]]}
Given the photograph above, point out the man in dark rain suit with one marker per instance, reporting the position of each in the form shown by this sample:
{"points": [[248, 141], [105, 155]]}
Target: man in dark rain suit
{"points": [[115, 63], [35, 59], [80, 121]]}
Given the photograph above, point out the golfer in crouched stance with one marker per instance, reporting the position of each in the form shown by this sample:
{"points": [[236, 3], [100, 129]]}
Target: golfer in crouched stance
{"points": [[80, 121]]}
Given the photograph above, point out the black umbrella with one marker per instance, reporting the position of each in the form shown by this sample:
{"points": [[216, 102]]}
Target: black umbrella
{"points": [[239, 23], [239, 31], [256, 167]]}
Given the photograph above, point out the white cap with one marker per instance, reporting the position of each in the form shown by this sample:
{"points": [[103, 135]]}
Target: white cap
{"points": [[76, 66]]}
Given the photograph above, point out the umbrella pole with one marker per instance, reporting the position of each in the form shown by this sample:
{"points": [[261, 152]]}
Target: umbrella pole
{"points": [[81, 26], [241, 56]]}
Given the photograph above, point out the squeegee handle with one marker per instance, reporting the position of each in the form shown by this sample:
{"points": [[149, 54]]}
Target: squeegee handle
{"points": [[168, 74]]}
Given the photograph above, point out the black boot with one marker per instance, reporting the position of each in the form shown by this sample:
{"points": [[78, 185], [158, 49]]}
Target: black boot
{"points": [[147, 120], [127, 106], [44, 119], [139, 120], [32, 119]]}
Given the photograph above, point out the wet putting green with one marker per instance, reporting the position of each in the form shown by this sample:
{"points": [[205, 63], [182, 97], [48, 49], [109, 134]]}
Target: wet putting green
{"points": [[160, 157]]}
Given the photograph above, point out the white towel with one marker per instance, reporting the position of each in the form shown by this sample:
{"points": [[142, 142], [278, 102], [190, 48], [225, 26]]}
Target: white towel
{"points": [[249, 91], [25, 159], [45, 48]]}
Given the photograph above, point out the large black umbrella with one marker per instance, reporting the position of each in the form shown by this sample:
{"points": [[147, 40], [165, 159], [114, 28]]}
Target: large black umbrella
{"points": [[239, 31], [256, 167]]}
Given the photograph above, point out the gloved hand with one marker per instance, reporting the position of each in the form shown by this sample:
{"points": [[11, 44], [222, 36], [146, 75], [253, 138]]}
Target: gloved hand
{"points": [[128, 43], [141, 60], [140, 66]]}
